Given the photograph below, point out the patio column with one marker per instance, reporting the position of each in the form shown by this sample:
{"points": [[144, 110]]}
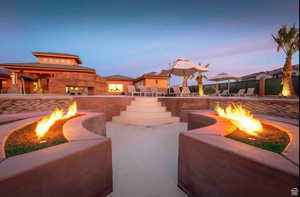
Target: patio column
{"points": [[185, 80], [13, 89], [262, 85]]}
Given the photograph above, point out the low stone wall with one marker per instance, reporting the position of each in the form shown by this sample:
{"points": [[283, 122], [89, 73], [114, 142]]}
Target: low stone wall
{"points": [[272, 107], [109, 105], [178, 106], [32, 104], [181, 106]]}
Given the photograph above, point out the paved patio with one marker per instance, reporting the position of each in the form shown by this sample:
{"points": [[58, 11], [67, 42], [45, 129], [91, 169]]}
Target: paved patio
{"points": [[145, 160]]}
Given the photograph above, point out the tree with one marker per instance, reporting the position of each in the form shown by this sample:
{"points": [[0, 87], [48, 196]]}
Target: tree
{"points": [[198, 76], [287, 40]]}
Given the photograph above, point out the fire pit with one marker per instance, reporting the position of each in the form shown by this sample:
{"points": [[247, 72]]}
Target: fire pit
{"points": [[40, 134], [214, 162], [80, 163], [252, 131]]}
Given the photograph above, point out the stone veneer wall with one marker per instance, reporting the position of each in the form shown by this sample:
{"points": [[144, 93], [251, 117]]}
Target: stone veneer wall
{"points": [[271, 107], [180, 106], [113, 105], [20, 105]]}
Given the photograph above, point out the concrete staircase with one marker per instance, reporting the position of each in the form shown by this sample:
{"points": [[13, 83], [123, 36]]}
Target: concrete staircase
{"points": [[145, 111]]}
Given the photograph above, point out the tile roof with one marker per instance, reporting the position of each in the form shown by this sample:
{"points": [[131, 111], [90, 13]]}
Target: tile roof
{"points": [[152, 75], [118, 77], [47, 66]]}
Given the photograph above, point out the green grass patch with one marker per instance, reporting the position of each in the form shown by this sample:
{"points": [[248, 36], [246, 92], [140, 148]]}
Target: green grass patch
{"points": [[24, 140], [271, 139]]}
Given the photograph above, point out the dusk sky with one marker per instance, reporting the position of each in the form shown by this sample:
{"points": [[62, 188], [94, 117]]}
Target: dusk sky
{"points": [[138, 36]]}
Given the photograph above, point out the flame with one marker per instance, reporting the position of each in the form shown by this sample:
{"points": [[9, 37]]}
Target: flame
{"points": [[44, 125], [72, 110], [241, 118], [285, 88]]}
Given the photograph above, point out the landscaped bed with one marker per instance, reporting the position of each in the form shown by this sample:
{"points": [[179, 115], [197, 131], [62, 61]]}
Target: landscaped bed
{"points": [[271, 139], [25, 140]]}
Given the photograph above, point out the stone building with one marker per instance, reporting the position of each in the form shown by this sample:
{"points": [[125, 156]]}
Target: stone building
{"points": [[53, 73]]}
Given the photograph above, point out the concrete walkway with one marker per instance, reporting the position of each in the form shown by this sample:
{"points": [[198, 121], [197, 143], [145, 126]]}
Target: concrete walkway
{"points": [[145, 160]]}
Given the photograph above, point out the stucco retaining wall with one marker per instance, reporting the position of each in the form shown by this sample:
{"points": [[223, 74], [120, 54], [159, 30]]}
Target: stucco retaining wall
{"points": [[109, 105], [215, 166], [82, 167]]}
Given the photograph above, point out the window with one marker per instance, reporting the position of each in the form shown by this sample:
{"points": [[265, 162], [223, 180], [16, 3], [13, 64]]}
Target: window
{"points": [[115, 87], [156, 81]]}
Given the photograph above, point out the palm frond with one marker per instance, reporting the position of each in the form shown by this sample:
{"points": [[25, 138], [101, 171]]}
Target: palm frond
{"points": [[287, 39]]}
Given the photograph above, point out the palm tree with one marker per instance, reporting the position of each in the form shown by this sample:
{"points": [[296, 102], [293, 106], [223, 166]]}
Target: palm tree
{"points": [[287, 40], [198, 76]]}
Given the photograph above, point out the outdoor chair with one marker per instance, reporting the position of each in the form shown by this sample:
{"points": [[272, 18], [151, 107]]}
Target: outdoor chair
{"points": [[156, 92], [145, 91], [3, 91], [185, 91], [176, 91], [164, 91], [224, 93], [217, 93], [250, 92], [132, 91], [241, 92]]}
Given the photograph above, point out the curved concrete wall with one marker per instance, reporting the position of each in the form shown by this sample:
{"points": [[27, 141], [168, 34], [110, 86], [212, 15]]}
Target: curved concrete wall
{"points": [[82, 167], [215, 166]]}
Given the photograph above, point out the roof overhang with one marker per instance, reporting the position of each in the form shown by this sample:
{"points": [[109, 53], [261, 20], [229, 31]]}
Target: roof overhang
{"points": [[58, 55]]}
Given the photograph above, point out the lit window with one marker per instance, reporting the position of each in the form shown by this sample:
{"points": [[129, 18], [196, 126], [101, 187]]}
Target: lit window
{"points": [[115, 87]]}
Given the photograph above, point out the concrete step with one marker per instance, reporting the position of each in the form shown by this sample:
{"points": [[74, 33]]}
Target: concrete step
{"points": [[146, 109], [145, 115], [143, 121], [146, 99], [145, 104]]}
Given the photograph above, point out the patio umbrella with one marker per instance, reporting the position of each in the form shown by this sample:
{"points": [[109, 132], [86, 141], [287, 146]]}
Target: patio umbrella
{"points": [[224, 77], [184, 67]]}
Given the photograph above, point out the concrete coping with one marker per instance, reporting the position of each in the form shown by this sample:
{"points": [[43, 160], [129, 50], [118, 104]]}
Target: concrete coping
{"points": [[8, 118], [81, 139], [74, 130], [287, 161], [34, 96], [58, 96]]}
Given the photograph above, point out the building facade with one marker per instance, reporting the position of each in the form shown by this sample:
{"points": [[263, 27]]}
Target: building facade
{"points": [[118, 84], [53, 73], [276, 73], [152, 79]]}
